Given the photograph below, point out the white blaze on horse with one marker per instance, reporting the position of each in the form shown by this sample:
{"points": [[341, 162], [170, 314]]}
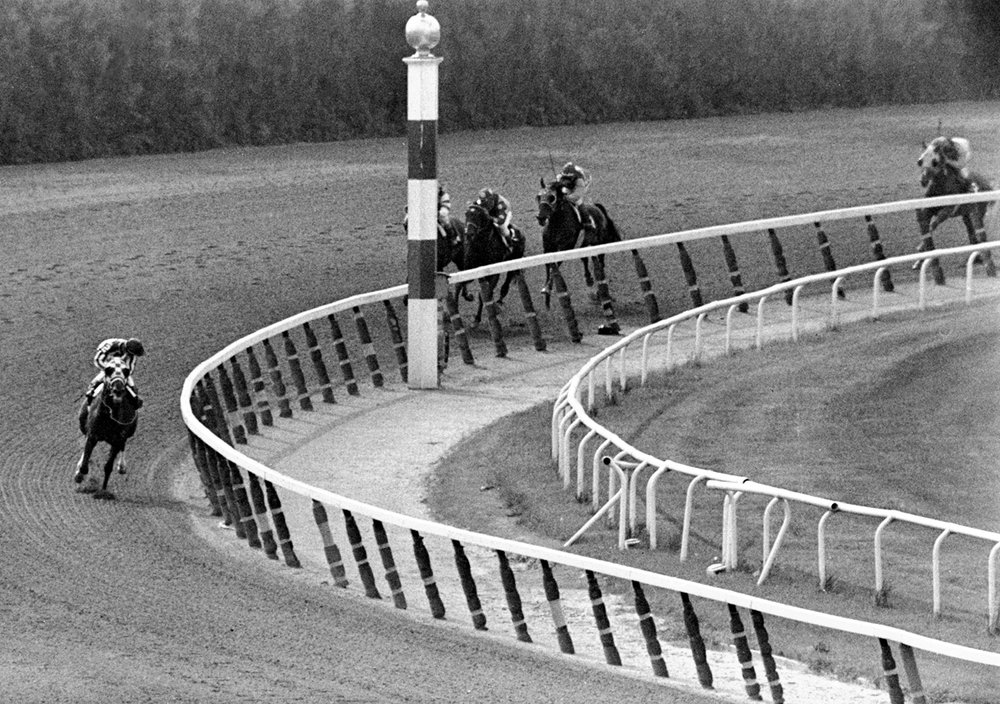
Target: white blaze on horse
{"points": [[945, 172], [111, 417]]}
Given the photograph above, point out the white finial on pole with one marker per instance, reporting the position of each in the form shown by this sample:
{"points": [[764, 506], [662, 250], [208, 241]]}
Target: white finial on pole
{"points": [[423, 34]]}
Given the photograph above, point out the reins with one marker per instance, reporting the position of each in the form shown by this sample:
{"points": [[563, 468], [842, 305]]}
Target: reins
{"points": [[111, 412]]}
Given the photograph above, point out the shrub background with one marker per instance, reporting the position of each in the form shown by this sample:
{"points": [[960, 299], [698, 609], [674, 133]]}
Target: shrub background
{"points": [[89, 78]]}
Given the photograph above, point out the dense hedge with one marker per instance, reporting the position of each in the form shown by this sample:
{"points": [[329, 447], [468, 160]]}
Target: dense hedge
{"points": [[84, 78]]}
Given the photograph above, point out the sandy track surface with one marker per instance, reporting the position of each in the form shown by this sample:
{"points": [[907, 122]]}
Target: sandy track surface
{"points": [[121, 601]]}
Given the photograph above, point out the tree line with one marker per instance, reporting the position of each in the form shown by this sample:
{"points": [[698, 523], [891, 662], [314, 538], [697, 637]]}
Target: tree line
{"points": [[90, 78]]}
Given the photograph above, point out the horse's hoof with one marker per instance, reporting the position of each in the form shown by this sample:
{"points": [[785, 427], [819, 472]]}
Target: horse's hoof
{"points": [[610, 329], [79, 477]]}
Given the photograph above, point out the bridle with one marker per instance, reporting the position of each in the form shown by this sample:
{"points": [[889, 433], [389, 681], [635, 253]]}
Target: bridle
{"points": [[116, 382]]}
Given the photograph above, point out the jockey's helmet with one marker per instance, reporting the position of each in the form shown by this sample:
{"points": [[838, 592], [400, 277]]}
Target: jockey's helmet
{"points": [[134, 347], [488, 199]]}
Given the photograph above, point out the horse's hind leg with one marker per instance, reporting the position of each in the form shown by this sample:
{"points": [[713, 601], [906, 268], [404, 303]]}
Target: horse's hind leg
{"points": [[975, 226]]}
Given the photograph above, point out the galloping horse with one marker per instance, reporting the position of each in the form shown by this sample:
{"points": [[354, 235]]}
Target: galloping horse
{"points": [[111, 417], [941, 176], [563, 228], [485, 245]]}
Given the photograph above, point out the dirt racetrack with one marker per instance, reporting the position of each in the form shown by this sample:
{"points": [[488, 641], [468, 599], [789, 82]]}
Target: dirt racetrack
{"points": [[120, 601]]}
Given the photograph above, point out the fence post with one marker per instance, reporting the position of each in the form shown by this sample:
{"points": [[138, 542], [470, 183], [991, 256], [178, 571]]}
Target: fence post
{"points": [[770, 668], [779, 262], [316, 354], [513, 598], [735, 278], [689, 275], [344, 359], [743, 653], [696, 642], [295, 367], [878, 253], [529, 312], [555, 606], [648, 628]]}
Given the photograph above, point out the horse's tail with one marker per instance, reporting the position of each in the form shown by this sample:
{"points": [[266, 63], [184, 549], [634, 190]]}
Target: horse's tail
{"points": [[991, 221], [613, 234]]}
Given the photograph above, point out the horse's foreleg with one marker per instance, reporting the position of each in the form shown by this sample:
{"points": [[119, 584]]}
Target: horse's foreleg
{"points": [[83, 465], [587, 276], [505, 288], [547, 288], [109, 466], [927, 226], [975, 226]]}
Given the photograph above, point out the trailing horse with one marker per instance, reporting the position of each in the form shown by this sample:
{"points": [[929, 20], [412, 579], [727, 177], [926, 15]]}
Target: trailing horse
{"points": [[566, 226], [485, 245], [942, 176], [110, 417]]}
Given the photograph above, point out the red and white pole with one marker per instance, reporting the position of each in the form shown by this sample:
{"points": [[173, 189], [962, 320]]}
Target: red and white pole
{"points": [[422, 33]]}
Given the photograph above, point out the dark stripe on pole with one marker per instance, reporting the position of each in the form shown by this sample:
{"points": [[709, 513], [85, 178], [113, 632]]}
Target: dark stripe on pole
{"points": [[421, 277]]}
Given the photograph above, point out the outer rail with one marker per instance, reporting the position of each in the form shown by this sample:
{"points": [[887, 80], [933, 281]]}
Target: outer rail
{"points": [[220, 407]]}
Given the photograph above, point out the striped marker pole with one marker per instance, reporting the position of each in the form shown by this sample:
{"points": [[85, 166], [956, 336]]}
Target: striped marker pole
{"points": [[604, 631], [316, 354], [743, 654], [295, 368], [260, 516], [371, 357], [280, 526], [648, 627], [259, 388], [243, 397], [360, 555], [487, 290], [646, 286], [513, 598], [689, 275], [197, 453], [912, 674], [396, 333], [697, 643], [779, 262], [423, 559], [330, 549], [229, 397], [529, 312], [422, 33], [277, 381], [458, 327], [878, 252], [562, 293], [767, 657], [555, 606], [469, 586], [389, 563], [343, 358], [827, 254], [735, 277], [890, 673]]}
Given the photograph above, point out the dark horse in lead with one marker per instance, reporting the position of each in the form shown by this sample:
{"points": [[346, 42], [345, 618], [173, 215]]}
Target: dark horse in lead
{"points": [[111, 417], [566, 226], [941, 176]]}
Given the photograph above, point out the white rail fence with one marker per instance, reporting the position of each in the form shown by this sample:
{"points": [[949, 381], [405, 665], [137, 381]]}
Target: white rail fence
{"points": [[573, 412], [237, 393]]}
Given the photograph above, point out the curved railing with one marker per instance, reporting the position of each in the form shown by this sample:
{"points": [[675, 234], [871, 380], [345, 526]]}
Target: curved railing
{"points": [[237, 393], [626, 462]]}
